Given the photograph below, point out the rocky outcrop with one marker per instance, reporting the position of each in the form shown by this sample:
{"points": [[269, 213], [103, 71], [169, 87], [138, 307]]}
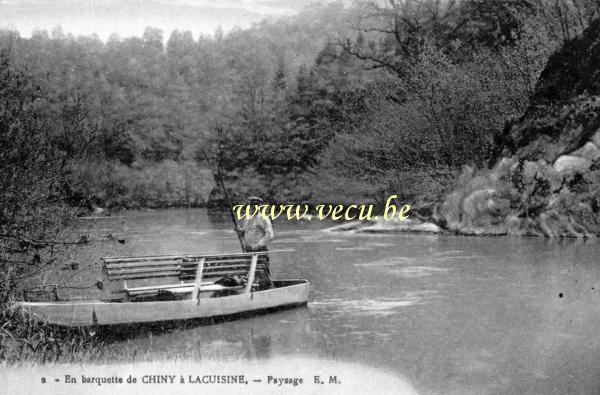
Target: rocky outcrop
{"points": [[546, 180]]}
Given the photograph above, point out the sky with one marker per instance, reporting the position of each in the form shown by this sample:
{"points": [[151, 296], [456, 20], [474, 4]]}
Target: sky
{"points": [[130, 17]]}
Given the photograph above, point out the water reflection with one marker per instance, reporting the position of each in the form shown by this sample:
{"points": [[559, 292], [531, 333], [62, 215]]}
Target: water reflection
{"points": [[453, 314], [258, 337]]}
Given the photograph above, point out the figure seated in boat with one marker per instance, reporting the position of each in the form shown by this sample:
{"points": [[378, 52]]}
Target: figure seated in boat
{"points": [[229, 281]]}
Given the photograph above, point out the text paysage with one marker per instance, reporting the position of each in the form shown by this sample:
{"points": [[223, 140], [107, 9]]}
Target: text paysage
{"points": [[195, 379]]}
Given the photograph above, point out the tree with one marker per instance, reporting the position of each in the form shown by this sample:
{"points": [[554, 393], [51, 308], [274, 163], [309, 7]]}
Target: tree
{"points": [[41, 141]]}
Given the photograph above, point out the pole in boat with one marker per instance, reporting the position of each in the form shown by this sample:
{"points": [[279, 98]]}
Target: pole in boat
{"points": [[235, 224]]}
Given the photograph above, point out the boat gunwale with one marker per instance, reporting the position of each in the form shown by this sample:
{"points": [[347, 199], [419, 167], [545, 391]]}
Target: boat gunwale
{"points": [[301, 283]]}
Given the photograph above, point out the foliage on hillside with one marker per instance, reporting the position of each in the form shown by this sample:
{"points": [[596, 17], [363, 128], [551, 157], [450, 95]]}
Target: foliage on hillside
{"points": [[375, 99], [549, 180], [150, 104]]}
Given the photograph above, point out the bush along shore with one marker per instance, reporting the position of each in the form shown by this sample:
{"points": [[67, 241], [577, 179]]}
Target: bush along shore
{"points": [[24, 339]]}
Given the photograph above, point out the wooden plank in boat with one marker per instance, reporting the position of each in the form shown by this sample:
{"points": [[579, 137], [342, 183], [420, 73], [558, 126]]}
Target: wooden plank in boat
{"points": [[222, 261], [115, 274], [215, 274], [179, 263], [118, 272], [179, 288], [227, 263], [182, 290], [140, 259], [208, 269], [190, 256], [130, 276], [143, 264], [174, 273]]}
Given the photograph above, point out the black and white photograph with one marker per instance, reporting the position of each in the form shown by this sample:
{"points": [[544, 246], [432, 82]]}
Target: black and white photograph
{"points": [[299, 197]]}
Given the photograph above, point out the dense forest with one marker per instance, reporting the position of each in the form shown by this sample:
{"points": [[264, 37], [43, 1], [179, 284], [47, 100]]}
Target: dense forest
{"points": [[333, 104], [417, 98]]}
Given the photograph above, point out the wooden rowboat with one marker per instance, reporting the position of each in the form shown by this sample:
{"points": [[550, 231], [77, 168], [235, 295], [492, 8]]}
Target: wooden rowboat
{"points": [[287, 293], [196, 299]]}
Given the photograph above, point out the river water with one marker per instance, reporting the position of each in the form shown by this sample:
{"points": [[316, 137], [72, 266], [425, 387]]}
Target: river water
{"points": [[449, 314]]}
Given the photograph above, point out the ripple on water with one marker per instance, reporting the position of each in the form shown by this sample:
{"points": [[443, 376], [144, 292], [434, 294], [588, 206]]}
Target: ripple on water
{"points": [[383, 245], [369, 307], [416, 271], [357, 248], [448, 252], [319, 240], [281, 241], [388, 262], [198, 233], [403, 267], [441, 258]]}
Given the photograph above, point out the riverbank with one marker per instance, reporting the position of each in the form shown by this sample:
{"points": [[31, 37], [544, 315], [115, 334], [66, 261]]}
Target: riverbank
{"points": [[415, 225]]}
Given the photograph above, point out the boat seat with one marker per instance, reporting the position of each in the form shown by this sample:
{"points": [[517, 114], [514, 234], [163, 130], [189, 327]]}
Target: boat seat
{"points": [[146, 276], [178, 288]]}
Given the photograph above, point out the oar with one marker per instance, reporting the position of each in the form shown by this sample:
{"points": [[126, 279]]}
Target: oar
{"points": [[235, 224]]}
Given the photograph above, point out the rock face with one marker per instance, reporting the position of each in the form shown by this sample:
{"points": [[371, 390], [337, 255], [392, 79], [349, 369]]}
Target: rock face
{"points": [[547, 177]]}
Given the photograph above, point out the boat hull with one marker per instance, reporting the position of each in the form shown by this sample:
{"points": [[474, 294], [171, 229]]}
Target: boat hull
{"points": [[89, 313]]}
